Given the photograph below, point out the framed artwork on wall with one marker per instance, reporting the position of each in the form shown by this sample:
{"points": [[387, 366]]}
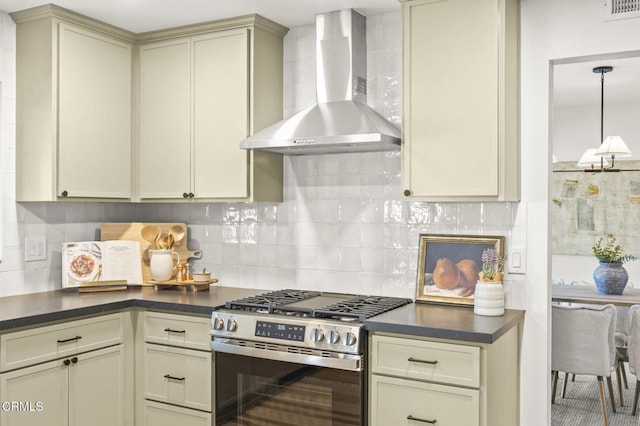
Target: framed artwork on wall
{"points": [[448, 266]]}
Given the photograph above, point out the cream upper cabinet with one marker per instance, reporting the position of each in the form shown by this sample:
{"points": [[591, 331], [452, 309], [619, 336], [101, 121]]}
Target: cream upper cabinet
{"points": [[165, 119], [73, 107], [200, 95], [460, 100]]}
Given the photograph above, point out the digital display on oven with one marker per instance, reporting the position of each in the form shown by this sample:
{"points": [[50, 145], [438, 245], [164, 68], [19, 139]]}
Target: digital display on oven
{"points": [[280, 331]]}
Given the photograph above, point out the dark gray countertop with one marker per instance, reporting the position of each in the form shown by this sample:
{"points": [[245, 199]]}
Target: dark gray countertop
{"points": [[37, 308], [445, 322], [428, 320]]}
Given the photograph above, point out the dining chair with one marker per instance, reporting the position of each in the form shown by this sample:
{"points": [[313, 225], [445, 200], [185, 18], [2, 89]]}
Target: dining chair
{"points": [[622, 337], [633, 351], [583, 342]]}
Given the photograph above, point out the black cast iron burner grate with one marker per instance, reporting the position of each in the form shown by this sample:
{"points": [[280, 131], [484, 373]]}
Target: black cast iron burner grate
{"points": [[271, 301], [356, 308], [361, 307]]}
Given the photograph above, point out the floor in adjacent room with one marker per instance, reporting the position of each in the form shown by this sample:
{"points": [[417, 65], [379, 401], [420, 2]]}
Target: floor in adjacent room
{"points": [[581, 406]]}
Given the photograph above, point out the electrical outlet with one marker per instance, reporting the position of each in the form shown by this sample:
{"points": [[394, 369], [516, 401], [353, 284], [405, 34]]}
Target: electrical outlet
{"points": [[35, 248]]}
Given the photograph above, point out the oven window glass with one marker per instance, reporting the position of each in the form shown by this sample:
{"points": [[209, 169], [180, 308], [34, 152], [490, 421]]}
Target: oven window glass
{"points": [[253, 391]]}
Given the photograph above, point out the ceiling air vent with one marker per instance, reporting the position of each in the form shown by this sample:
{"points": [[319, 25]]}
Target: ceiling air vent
{"points": [[622, 9]]}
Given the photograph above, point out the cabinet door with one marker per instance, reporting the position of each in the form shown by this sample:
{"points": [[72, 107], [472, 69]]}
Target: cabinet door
{"points": [[220, 90], [452, 95], [407, 402], [97, 388], [94, 115], [178, 376], [41, 390], [165, 114]]}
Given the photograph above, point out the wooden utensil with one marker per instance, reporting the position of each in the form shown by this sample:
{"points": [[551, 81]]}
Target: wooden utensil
{"points": [[160, 242], [177, 232], [150, 233], [169, 241]]}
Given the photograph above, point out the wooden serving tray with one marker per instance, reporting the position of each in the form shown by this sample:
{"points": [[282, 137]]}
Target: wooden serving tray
{"points": [[189, 285], [132, 232]]}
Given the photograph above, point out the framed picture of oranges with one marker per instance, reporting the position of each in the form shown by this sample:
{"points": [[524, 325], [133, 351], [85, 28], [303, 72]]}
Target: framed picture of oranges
{"points": [[448, 266]]}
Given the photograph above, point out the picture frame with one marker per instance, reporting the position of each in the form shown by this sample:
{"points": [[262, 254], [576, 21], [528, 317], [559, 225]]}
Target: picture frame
{"points": [[457, 260]]}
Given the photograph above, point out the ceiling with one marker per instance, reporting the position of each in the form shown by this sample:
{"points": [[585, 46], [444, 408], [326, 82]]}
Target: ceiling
{"points": [[147, 15], [576, 84]]}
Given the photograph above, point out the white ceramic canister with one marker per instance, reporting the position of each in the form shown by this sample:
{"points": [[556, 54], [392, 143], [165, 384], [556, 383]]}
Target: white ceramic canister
{"points": [[489, 299], [161, 265]]}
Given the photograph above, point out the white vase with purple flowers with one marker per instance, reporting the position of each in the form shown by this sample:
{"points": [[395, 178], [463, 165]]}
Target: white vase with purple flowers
{"points": [[489, 292]]}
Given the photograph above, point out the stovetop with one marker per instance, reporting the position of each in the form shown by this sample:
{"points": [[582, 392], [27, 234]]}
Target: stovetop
{"points": [[290, 319], [315, 304]]}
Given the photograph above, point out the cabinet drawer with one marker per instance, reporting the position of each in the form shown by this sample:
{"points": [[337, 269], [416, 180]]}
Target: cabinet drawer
{"points": [[178, 376], [37, 345], [177, 330], [396, 401], [423, 360], [157, 414]]}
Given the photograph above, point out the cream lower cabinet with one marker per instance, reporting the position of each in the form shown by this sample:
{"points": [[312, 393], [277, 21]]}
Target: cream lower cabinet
{"points": [[73, 108], [200, 95], [460, 100], [176, 370], [415, 381], [75, 387]]}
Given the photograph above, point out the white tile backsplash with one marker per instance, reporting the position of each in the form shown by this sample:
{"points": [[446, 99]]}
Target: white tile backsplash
{"points": [[343, 225]]}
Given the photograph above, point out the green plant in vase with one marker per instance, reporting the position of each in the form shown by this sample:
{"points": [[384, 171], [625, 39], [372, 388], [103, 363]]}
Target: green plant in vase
{"points": [[610, 276]]}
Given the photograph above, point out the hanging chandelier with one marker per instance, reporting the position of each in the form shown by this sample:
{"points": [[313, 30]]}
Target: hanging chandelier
{"points": [[611, 147]]}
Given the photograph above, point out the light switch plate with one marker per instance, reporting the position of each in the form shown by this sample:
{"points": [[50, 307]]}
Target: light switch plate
{"points": [[517, 260], [35, 248]]}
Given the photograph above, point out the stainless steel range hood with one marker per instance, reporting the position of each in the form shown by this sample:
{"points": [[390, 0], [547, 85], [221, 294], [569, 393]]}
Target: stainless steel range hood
{"points": [[341, 121]]}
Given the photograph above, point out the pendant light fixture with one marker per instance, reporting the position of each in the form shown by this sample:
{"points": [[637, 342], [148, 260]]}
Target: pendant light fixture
{"points": [[611, 147]]}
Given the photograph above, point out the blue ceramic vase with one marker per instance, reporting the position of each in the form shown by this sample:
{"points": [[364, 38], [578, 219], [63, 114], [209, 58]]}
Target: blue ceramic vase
{"points": [[610, 278]]}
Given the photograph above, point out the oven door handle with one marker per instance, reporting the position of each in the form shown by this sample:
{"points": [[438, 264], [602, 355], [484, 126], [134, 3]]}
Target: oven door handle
{"points": [[350, 362]]}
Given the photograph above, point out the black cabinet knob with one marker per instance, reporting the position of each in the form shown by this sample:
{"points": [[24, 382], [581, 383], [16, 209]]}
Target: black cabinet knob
{"points": [[74, 360], [66, 362], [407, 192], [64, 193], [185, 195], [191, 195]]}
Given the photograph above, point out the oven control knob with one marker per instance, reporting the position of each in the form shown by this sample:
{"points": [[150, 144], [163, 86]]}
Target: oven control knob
{"points": [[316, 335], [232, 325], [334, 337], [350, 338], [218, 324]]}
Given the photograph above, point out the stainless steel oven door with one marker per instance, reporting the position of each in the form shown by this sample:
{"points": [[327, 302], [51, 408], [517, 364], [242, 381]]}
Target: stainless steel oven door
{"points": [[257, 390]]}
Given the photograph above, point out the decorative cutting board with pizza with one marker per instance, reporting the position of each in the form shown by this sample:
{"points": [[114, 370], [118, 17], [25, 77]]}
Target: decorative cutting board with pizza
{"points": [[151, 236]]}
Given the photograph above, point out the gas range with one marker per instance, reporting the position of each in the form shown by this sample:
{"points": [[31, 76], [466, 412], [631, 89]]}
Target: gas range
{"points": [[322, 328]]}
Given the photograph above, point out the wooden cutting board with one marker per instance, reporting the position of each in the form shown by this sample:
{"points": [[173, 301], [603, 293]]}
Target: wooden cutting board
{"points": [[132, 232]]}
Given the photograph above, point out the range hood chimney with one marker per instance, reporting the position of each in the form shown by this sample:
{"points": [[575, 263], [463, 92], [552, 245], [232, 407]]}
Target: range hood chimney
{"points": [[341, 121]]}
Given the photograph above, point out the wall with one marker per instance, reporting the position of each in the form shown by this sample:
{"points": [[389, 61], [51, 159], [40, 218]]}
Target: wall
{"points": [[576, 128], [7, 115], [551, 31]]}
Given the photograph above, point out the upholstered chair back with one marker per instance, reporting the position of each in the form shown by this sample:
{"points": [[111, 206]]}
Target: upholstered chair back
{"points": [[583, 339]]}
